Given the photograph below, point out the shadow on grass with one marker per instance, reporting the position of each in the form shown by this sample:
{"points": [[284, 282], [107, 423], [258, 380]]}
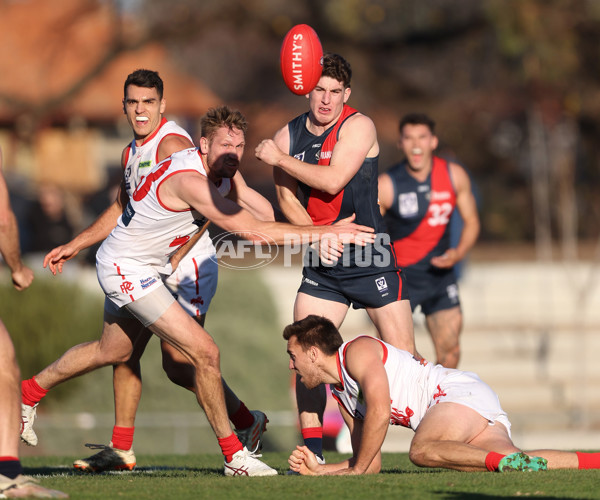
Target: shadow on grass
{"points": [[156, 470]]}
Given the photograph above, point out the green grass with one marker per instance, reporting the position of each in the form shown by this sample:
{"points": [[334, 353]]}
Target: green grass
{"points": [[200, 476]]}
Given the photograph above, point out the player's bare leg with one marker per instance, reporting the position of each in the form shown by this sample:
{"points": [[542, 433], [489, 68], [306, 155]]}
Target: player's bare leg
{"points": [[464, 445], [445, 327], [114, 346], [177, 328], [127, 381], [394, 324], [10, 395]]}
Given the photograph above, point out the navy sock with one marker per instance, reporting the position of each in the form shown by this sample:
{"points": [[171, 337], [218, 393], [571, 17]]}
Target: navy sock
{"points": [[315, 445], [10, 467]]}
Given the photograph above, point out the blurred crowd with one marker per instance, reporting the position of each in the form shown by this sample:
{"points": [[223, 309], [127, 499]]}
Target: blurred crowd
{"points": [[49, 215]]}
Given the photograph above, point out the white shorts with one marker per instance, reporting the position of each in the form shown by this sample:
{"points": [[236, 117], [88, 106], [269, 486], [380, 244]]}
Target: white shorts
{"points": [[193, 283], [466, 388]]}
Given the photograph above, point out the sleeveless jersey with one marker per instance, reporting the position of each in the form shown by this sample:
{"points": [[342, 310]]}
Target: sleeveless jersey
{"points": [[413, 386], [148, 233], [358, 197], [418, 220], [141, 159]]}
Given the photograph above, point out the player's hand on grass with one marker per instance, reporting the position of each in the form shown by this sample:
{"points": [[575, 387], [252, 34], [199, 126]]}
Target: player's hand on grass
{"points": [[303, 461], [56, 257]]}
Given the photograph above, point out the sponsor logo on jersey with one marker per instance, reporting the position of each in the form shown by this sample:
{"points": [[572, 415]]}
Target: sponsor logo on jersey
{"points": [[146, 282], [299, 156], [145, 164], [408, 204], [440, 195], [326, 155]]}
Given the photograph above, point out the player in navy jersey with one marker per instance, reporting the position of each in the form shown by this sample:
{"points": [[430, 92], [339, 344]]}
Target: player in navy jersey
{"points": [[326, 167], [418, 196]]}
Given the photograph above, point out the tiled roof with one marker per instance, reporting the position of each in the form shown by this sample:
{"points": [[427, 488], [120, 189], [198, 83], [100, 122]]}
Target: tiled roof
{"points": [[47, 46]]}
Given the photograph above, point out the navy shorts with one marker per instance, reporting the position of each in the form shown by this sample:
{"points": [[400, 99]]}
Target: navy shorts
{"points": [[432, 290], [377, 289]]}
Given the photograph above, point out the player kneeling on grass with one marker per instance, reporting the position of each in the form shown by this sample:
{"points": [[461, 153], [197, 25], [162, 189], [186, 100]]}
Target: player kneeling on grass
{"points": [[457, 418]]}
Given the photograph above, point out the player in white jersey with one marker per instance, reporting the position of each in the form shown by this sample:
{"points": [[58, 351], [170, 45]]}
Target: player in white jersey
{"points": [[183, 189], [193, 282], [458, 421]]}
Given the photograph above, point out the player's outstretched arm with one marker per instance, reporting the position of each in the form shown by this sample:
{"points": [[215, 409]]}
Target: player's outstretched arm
{"points": [[96, 232], [21, 275], [185, 190]]}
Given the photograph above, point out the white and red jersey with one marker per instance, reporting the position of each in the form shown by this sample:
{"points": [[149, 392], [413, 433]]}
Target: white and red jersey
{"points": [[416, 385], [139, 160], [149, 233]]}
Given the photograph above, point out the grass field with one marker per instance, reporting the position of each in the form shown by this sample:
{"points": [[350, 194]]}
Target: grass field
{"points": [[200, 476]]}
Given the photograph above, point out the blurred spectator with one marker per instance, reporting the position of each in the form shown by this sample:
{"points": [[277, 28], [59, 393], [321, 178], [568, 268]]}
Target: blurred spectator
{"points": [[47, 222]]}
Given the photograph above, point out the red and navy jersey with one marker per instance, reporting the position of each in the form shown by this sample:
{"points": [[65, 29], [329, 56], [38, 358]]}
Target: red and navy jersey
{"points": [[418, 220], [359, 196]]}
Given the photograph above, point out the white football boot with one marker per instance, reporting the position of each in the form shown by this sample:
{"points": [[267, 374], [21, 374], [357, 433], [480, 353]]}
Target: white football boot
{"points": [[244, 463], [28, 435]]}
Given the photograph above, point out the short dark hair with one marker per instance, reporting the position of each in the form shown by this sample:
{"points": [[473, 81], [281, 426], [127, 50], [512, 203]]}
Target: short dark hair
{"points": [[336, 67], [315, 331], [144, 78], [222, 116], [417, 119]]}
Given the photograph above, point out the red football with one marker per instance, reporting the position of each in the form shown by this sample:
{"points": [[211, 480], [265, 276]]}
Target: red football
{"points": [[301, 59]]}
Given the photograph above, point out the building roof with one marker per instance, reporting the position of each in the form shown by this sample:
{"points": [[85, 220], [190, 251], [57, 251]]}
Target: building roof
{"points": [[63, 54]]}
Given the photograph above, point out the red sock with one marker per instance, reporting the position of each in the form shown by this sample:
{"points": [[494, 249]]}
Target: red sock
{"points": [[230, 445], [31, 392], [122, 437], [492, 460], [242, 418], [588, 460]]}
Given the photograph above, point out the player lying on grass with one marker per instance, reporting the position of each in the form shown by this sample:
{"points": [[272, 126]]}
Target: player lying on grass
{"points": [[457, 418]]}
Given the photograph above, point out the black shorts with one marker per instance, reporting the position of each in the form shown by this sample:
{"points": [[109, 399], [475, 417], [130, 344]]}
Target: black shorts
{"points": [[432, 290], [377, 289]]}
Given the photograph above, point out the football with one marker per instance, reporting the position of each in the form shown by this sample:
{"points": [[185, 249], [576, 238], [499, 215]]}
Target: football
{"points": [[301, 59]]}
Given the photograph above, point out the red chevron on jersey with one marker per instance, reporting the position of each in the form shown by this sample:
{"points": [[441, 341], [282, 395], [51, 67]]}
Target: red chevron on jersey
{"points": [[428, 233], [323, 207]]}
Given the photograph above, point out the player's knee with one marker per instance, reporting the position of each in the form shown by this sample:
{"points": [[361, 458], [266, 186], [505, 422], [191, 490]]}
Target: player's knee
{"points": [[206, 356], [418, 454]]}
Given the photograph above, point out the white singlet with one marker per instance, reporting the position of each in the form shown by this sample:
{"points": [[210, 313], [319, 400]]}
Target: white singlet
{"points": [[194, 282], [132, 259], [415, 386]]}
